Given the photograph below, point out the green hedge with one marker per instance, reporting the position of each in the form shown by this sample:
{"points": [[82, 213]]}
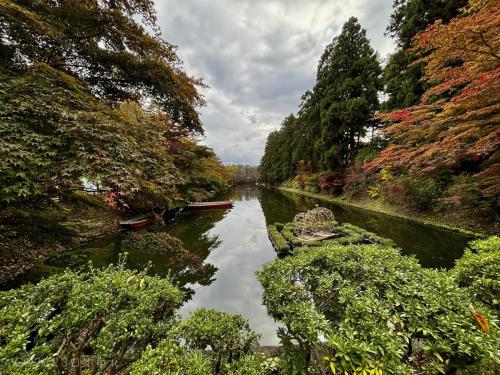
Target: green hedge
{"points": [[277, 239]]}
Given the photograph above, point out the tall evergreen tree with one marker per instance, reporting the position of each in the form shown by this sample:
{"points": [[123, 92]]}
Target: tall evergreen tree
{"points": [[345, 95]]}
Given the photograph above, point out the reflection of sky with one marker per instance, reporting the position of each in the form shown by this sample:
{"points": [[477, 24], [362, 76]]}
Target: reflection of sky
{"points": [[244, 248]]}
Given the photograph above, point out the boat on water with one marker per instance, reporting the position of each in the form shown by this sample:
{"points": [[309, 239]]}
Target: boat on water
{"points": [[137, 222], [208, 206]]}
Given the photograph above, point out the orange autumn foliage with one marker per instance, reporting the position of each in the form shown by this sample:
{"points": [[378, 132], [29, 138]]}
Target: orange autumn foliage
{"points": [[482, 321]]}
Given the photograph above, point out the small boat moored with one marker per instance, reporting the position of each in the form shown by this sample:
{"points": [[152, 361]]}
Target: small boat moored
{"points": [[208, 206], [137, 222]]}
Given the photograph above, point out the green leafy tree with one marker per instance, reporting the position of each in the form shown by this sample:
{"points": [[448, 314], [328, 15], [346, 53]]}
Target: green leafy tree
{"points": [[278, 162], [104, 43], [402, 76], [53, 132], [228, 335], [200, 171]]}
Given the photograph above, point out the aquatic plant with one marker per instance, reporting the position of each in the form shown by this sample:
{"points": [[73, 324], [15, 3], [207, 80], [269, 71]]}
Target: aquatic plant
{"points": [[277, 239]]}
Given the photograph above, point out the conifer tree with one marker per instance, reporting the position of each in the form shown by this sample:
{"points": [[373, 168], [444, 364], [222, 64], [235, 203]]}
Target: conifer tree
{"points": [[348, 81]]}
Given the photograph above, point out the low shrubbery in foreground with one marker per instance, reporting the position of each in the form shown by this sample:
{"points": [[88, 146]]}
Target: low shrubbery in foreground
{"points": [[116, 321], [344, 309], [351, 309]]}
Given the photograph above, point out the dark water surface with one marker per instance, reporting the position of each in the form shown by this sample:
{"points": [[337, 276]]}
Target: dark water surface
{"points": [[234, 245]]}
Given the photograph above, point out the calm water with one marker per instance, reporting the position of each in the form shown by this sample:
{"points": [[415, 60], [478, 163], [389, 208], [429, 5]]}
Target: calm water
{"points": [[234, 244]]}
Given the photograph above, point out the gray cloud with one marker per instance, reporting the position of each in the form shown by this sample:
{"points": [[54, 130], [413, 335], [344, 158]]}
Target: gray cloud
{"points": [[258, 57]]}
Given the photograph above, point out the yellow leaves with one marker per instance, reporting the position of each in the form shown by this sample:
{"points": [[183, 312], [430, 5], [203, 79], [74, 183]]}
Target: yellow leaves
{"points": [[374, 191], [142, 282], [357, 371], [385, 175]]}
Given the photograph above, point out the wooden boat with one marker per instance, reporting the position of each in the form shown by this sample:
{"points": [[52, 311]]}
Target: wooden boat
{"points": [[137, 222], [208, 206]]}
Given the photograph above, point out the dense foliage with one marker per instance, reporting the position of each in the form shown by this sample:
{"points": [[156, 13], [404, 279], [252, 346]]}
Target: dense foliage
{"points": [[72, 75], [367, 308], [352, 303], [201, 172], [451, 137], [85, 320], [117, 321], [229, 336], [402, 75], [53, 133], [479, 271], [106, 44]]}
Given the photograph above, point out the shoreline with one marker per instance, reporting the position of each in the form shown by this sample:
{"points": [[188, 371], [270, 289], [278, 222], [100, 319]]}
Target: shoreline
{"points": [[428, 221]]}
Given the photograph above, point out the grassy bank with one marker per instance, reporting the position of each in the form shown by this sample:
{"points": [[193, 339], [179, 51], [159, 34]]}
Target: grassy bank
{"points": [[435, 220]]}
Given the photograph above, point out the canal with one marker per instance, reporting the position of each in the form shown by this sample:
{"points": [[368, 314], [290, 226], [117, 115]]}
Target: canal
{"points": [[233, 245]]}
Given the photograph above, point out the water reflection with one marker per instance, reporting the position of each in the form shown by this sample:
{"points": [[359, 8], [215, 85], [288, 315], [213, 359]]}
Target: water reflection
{"points": [[243, 249], [433, 247], [233, 245]]}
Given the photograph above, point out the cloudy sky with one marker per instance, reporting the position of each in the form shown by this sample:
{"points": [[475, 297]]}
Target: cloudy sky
{"points": [[259, 57]]}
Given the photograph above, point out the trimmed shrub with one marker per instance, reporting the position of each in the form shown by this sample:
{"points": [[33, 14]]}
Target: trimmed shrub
{"points": [[369, 308], [100, 318], [479, 271], [229, 336], [171, 358], [278, 240]]}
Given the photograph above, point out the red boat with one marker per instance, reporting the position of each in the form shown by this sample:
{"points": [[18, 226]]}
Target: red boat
{"points": [[137, 222], [208, 206]]}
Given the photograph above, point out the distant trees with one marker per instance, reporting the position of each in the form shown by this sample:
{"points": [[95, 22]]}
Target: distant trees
{"points": [[277, 164], [438, 146], [243, 173]]}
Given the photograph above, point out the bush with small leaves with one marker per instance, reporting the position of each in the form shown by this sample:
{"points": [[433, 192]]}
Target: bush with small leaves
{"points": [[171, 358], [100, 320], [253, 364], [479, 271], [370, 308], [229, 336]]}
